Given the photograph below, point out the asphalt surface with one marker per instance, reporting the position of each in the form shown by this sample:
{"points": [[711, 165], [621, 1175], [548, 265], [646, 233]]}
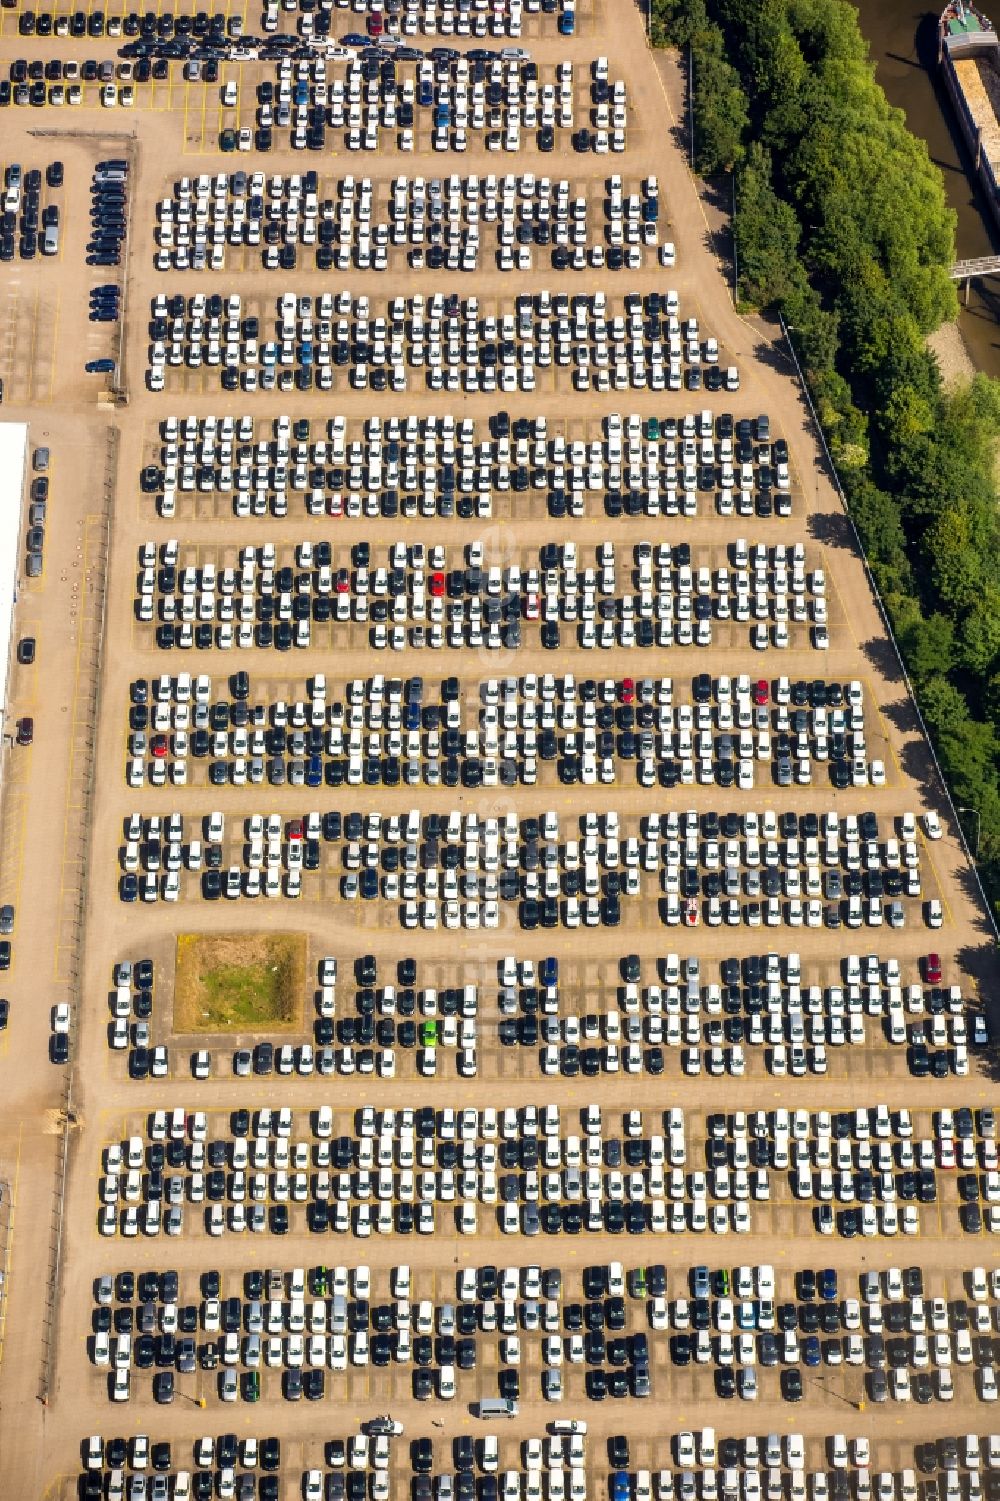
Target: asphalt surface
{"points": [[61, 847]]}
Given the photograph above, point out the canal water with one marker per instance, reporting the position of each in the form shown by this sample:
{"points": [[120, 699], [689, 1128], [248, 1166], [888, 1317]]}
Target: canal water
{"points": [[902, 36]]}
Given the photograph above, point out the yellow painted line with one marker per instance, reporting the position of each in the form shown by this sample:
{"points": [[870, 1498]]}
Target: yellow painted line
{"points": [[881, 719]]}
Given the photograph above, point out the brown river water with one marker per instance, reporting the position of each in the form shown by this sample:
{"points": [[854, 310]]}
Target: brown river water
{"points": [[902, 36]]}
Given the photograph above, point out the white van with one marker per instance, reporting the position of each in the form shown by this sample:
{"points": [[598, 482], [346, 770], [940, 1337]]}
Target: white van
{"points": [[496, 1407]]}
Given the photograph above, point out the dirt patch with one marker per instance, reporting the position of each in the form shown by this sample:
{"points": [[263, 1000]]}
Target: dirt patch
{"points": [[239, 982], [950, 350]]}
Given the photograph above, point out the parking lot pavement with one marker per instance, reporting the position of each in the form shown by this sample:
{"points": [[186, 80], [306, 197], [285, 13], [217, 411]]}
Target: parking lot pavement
{"points": [[172, 130]]}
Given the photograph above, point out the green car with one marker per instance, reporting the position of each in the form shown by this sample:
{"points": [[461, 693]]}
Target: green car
{"points": [[251, 1386], [428, 1034], [652, 428]]}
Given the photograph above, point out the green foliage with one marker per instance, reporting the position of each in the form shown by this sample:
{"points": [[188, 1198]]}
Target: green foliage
{"points": [[720, 111], [928, 646], [842, 225], [980, 643], [767, 234]]}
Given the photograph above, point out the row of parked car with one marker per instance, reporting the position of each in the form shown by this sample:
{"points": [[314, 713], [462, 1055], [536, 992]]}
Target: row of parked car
{"points": [[26, 227], [444, 99], [446, 466], [108, 217], [98, 23], [365, 1180], [794, 1025], [374, 733], [419, 861], [421, 602], [34, 540], [435, 223], [472, 18], [643, 346]]}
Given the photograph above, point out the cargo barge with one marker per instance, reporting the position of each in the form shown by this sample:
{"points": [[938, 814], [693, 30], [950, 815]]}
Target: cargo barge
{"points": [[969, 58]]}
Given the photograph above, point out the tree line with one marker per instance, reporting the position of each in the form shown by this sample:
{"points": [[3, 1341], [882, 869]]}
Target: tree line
{"points": [[841, 224]]}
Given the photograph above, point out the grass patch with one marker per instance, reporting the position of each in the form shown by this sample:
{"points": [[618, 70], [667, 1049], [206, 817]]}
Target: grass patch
{"points": [[243, 982]]}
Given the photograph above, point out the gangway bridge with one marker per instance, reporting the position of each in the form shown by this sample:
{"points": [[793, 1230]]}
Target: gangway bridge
{"points": [[967, 271]]}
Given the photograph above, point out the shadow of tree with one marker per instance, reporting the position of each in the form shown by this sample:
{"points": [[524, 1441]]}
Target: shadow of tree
{"points": [[679, 136], [774, 356], [830, 528], [716, 193], [879, 652]]}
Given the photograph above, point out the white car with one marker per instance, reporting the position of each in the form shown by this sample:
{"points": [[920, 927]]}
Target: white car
{"points": [[686, 1455], [932, 825], [61, 1017]]}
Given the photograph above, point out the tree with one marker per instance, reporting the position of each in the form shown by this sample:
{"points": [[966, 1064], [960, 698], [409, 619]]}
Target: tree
{"points": [[952, 560], [767, 233], [842, 224], [927, 646], [980, 633], [943, 707], [876, 516], [720, 111]]}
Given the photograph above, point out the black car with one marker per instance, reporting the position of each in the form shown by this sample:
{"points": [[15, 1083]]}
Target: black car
{"points": [[791, 1385]]}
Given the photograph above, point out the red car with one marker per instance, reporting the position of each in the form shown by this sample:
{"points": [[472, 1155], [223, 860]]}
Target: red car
{"points": [[295, 830], [760, 691], [437, 585], [158, 746], [628, 690], [932, 969]]}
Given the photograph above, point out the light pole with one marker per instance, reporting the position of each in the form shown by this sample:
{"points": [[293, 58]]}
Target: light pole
{"points": [[960, 809], [820, 1381]]}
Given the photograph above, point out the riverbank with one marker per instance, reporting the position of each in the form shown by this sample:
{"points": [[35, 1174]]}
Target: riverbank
{"points": [[952, 354], [902, 36]]}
